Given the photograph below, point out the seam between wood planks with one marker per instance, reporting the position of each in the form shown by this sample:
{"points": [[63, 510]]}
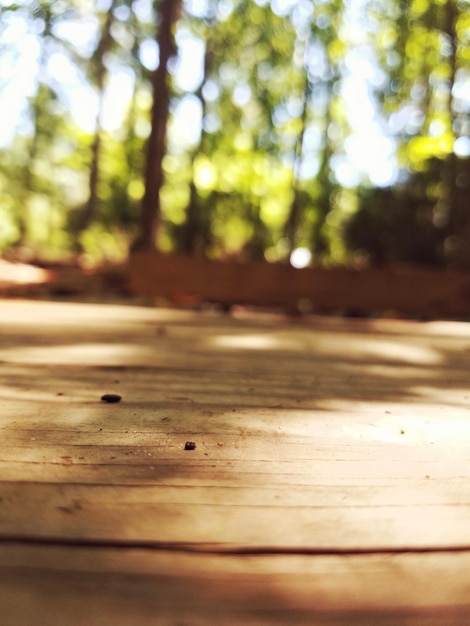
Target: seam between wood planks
{"points": [[227, 549]]}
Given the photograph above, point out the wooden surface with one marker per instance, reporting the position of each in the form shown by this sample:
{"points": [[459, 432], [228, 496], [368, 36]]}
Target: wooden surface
{"points": [[404, 289], [329, 485]]}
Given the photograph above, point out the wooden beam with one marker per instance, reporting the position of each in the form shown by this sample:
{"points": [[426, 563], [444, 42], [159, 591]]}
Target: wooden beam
{"points": [[408, 290]]}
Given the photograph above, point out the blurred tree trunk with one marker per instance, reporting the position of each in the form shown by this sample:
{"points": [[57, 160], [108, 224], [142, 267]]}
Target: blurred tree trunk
{"points": [[319, 240], [150, 210], [293, 219], [99, 72], [40, 104], [457, 217], [193, 234]]}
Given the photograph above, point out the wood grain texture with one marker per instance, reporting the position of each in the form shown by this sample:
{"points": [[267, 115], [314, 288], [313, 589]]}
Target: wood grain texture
{"points": [[329, 484]]}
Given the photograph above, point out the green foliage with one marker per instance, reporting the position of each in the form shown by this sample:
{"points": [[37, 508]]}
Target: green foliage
{"points": [[261, 175]]}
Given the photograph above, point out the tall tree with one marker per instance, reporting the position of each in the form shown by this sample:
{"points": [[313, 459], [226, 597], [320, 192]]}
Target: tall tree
{"points": [[98, 71], [194, 234], [319, 39], [169, 13]]}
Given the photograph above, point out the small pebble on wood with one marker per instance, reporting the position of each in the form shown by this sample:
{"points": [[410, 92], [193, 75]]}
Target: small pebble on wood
{"points": [[111, 397], [190, 445]]}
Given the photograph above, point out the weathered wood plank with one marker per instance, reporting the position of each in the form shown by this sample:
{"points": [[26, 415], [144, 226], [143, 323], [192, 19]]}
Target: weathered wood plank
{"points": [[312, 435], [347, 432], [235, 518], [51, 586]]}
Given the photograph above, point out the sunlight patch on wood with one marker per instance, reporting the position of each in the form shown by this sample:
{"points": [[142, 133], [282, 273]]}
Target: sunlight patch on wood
{"points": [[248, 342], [78, 354], [403, 429]]}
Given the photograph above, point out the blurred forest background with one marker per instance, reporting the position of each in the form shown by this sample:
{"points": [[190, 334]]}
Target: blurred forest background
{"points": [[321, 132]]}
